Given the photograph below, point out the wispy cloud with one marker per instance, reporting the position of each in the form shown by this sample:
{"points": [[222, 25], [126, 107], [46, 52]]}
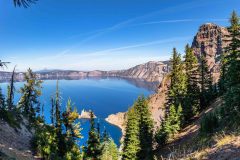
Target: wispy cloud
{"points": [[112, 50], [133, 21]]}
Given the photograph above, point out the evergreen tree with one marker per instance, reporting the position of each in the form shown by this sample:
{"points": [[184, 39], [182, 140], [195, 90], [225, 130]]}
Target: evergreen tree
{"points": [[206, 83], [10, 92], [73, 132], [131, 142], [177, 89], [176, 94], [231, 69], [145, 129], [56, 115], [109, 148], [2, 100], [29, 102], [170, 126], [191, 100], [93, 149]]}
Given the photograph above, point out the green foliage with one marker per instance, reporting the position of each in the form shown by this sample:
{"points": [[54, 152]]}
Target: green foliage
{"points": [[93, 149], [29, 102], [62, 135], [231, 78], [191, 100], [131, 143], [145, 129], [206, 82], [177, 89], [11, 117], [209, 123], [139, 132], [109, 148], [170, 126], [10, 93]]}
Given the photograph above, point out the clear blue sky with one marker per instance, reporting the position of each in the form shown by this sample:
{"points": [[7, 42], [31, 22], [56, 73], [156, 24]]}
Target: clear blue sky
{"points": [[102, 34]]}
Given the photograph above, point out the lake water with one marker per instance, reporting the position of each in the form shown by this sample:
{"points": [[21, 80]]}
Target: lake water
{"points": [[103, 96]]}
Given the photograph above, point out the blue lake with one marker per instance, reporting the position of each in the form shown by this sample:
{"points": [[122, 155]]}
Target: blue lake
{"points": [[104, 96]]}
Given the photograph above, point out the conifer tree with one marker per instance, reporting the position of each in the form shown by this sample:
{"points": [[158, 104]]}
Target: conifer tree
{"points": [[191, 100], [29, 102], [2, 100], [131, 142], [206, 83], [93, 149], [73, 132], [109, 148], [10, 92], [170, 126], [145, 129], [176, 94], [177, 89], [56, 115], [231, 68]]}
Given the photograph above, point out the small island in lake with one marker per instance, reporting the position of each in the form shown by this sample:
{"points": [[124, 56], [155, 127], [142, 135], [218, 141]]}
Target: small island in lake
{"points": [[85, 115]]}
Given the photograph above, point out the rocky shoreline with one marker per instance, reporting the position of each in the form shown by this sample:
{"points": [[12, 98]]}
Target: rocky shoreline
{"points": [[118, 120]]}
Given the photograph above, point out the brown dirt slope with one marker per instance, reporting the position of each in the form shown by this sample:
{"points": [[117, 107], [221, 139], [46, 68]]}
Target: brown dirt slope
{"points": [[187, 145], [14, 142]]}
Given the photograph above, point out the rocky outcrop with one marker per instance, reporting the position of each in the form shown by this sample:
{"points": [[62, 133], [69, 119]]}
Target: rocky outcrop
{"points": [[15, 142], [118, 120], [151, 71], [211, 39], [85, 115]]}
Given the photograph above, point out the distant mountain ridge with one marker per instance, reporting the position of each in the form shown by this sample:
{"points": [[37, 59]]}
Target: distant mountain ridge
{"points": [[152, 71]]}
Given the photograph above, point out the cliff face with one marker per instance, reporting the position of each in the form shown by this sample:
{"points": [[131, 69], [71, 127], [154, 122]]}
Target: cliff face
{"points": [[211, 39], [151, 71]]}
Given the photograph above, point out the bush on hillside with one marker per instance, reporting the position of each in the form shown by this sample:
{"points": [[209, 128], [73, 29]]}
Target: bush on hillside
{"points": [[209, 123]]}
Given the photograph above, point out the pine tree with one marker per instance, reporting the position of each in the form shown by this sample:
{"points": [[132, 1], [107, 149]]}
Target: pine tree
{"points": [[93, 149], [191, 100], [176, 94], [56, 115], [131, 142], [73, 132], [231, 68], [177, 89], [10, 92], [109, 148], [29, 102], [2, 100], [145, 129], [205, 79]]}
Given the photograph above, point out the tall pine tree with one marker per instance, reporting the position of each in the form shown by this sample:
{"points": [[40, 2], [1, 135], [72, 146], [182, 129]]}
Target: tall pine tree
{"points": [[191, 100], [231, 68], [10, 92], [175, 99], [205, 80], [29, 102], [131, 142], [145, 129], [93, 149]]}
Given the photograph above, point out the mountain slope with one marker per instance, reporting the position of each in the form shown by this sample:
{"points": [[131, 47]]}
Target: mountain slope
{"points": [[152, 71]]}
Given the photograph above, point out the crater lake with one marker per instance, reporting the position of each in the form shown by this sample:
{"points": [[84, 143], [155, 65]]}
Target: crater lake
{"points": [[104, 96]]}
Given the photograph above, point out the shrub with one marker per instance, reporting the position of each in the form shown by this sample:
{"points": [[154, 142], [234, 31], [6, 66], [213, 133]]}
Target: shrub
{"points": [[209, 123]]}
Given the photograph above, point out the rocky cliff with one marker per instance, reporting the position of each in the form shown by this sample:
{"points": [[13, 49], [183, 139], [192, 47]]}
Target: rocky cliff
{"points": [[211, 39], [152, 71]]}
